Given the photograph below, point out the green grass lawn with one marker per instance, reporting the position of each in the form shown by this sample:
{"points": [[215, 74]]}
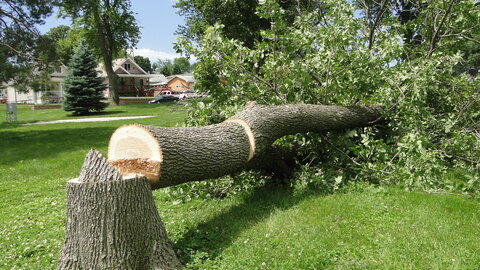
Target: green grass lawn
{"points": [[267, 228], [26, 115]]}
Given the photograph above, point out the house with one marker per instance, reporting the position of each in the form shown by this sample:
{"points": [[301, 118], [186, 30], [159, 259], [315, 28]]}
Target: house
{"points": [[180, 82], [134, 81], [3, 93], [53, 95], [158, 83]]}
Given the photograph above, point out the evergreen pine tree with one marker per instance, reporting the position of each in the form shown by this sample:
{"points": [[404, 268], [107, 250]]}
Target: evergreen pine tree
{"points": [[83, 87]]}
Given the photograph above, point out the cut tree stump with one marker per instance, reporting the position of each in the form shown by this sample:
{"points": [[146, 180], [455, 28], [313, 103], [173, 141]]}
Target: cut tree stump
{"points": [[112, 222], [170, 156]]}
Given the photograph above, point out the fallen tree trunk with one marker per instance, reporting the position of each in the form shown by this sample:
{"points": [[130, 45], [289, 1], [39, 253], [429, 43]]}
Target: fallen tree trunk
{"points": [[112, 222], [171, 156]]}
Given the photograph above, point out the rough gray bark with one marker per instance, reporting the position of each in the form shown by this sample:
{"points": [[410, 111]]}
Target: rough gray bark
{"points": [[197, 153], [268, 123], [200, 152], [112, 223]]}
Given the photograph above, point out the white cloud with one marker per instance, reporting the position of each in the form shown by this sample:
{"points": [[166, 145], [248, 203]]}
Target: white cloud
{"points": [[155, 55]]}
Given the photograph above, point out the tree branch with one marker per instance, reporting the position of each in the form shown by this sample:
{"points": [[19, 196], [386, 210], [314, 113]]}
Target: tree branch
{"points": [[436, 35], [19, 20]]}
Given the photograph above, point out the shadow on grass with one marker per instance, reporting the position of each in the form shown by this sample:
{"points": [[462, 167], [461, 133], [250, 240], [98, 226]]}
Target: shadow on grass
{"points": [[33, 144], [4, 125], [208, 239]]}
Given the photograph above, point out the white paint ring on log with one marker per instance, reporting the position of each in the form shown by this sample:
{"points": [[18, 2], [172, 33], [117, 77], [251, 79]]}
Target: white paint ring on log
{"points": [[75, 181], [248, 131]]}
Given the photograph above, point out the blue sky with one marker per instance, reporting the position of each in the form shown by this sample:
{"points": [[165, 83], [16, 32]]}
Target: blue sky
{"points": [[158, 21]]}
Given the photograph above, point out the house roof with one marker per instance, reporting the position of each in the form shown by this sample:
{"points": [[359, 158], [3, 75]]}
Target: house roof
{"points": [[117, 66], [157, 78], [186, 78]]}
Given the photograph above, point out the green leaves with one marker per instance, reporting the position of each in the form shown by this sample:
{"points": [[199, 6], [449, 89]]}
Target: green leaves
{"points": [[326, 55]]}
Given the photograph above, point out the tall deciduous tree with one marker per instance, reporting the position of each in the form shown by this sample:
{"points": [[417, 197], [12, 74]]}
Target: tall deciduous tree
{"points": [[181, 65], [143, 62], [111, 27], [178, 66], [65, 40], [164, 67], [83, 87], [239, 18], [22, 48]]}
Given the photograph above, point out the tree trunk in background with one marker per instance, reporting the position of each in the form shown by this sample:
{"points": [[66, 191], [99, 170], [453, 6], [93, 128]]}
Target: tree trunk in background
{"points": [[113, 86], [171, 156], [112, 223], [105, 43]]}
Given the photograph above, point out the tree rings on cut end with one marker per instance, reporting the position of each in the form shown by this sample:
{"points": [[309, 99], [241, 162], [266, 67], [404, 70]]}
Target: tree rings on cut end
{"points": [[138, 166], [133, 150]]}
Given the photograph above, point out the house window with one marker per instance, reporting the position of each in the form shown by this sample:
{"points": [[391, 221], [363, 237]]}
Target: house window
{"points": [[127, 67], [59, 69]]}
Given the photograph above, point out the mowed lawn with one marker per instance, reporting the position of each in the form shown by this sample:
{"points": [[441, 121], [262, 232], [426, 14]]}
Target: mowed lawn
{"points": [[266, 228]]}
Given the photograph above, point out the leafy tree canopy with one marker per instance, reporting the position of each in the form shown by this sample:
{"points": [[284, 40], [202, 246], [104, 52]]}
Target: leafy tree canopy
{"points": [[239, 18], [164, 67], [179, 65], [24, 53], [143, 62], [65, 39], [401, 56]]}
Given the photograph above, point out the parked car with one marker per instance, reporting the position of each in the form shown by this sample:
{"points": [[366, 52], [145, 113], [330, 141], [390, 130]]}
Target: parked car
{"points": [[164, 97], [3, 100]]}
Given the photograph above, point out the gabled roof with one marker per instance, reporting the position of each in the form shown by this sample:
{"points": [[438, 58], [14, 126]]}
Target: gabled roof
{"points": [[186, 78], [118, 64], [118, 68], [158, 78], [63, 72]]}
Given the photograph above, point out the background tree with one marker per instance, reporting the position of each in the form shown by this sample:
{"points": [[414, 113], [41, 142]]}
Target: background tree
{"points": [[144, 63], [22, 48], [110, 26], [65, 40], [179, 65], [356, 52], [83, 87], [164, 67], [239, 18]]}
